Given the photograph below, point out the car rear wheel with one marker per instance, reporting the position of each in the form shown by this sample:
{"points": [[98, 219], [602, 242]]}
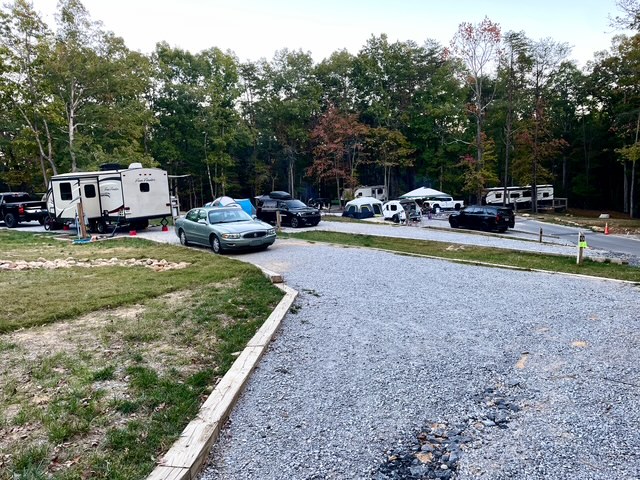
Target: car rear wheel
{"points": [[183, 238], [216, 246], [295, 223], [11, 220], [453, 222]]}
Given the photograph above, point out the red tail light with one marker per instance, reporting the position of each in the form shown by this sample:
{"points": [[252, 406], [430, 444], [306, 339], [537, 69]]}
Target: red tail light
{"points": [[21, 210]]}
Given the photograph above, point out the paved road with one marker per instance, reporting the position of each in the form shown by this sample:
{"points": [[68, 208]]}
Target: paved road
{"points": [[624, 244]]}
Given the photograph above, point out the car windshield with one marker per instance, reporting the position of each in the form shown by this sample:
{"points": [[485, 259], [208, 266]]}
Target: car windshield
{"points": [[294, 204], [228, 216]]}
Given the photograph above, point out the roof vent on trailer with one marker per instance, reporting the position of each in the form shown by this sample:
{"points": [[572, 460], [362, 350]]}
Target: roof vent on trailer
{"points": [[135, 165]]}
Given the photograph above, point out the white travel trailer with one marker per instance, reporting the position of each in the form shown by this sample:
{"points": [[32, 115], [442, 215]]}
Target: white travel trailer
{"points": [[130, 196], [519, 197], [378, 192]]}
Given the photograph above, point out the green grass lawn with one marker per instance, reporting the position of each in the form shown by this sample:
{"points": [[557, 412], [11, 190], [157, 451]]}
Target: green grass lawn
{"points": [[469, 253], [103, 367]]}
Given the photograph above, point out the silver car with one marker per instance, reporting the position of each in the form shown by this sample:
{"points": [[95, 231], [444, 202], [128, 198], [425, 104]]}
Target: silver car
{"points": [[223, 229]]}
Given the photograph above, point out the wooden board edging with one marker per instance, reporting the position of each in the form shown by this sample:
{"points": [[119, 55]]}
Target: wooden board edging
{"points": [[186, 456]]}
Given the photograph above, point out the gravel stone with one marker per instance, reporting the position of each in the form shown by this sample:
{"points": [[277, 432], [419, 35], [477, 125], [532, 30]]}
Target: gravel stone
{"points": [[388, 344]]}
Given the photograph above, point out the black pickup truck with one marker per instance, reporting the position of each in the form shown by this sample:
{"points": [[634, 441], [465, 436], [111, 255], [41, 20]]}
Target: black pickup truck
{"points": [[16, 207]]}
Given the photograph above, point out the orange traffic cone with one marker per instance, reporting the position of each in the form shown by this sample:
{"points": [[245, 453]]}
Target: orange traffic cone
{"points": [[606, 228], [132, 233]]}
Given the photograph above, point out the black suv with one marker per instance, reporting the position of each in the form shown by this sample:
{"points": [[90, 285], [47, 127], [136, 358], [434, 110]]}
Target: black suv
{"points": [[483, 217], [292, 212]]}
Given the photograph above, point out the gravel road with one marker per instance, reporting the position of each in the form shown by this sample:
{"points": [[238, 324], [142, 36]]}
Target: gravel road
{"points": [[383, 370]]}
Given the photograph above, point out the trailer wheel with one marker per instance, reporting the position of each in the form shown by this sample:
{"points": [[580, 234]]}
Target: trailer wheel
{"points": [[139, 224], [183, 238], [395, 218], [11, 220], [100, 227], [216, 246]]}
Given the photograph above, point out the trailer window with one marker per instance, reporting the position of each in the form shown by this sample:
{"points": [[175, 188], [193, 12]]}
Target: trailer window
{"points": [[498, 195], [65, 191], [545, 194], [90, 191], [144, 187], [515, 195]]}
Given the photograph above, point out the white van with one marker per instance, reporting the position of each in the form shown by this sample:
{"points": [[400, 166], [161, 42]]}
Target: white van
{"points": [[376, 191]]}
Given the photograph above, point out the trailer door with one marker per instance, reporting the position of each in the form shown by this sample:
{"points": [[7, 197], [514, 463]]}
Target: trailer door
{"points": [[90, 197]]}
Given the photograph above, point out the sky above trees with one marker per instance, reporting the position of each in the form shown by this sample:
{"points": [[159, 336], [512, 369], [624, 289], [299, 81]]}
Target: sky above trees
{"points": [[253, 29]]}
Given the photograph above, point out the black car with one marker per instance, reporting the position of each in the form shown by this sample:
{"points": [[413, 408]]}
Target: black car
{"points": [[483, 217], [292, 212]]}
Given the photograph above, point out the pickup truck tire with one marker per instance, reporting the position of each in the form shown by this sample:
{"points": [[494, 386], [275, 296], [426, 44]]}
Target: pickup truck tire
{"points": [[295, 223], [11, 220]]}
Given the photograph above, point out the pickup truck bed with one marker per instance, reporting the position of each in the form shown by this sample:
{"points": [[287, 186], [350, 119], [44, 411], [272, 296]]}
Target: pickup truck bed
{"points": [[16, 207]]}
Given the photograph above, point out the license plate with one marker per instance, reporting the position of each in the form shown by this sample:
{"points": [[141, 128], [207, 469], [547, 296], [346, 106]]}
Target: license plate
{"points": [[256, 243]]}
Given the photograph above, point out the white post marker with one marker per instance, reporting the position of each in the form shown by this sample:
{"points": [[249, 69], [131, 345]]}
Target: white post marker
{"points": [[582, 244], [278, 220]]}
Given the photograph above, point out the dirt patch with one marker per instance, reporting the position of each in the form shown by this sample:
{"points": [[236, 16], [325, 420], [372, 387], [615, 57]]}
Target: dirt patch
{"points": [[69, 262], [40, 364]]}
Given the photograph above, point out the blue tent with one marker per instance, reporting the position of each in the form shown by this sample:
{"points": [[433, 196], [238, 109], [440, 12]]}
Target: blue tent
{"points": [[246, 205]]}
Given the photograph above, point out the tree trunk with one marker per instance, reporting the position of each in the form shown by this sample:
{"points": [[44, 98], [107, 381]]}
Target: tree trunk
{"points": [[632, 192], [479, 146], [291, 176], [625, 187], [71, 117], [633, 174]]}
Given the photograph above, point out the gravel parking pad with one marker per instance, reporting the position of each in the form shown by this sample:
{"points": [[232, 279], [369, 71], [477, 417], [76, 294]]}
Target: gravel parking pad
{"points": [[383, 370]]}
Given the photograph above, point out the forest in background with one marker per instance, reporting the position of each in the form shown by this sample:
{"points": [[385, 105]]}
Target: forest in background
{"points": [[492, 108]]}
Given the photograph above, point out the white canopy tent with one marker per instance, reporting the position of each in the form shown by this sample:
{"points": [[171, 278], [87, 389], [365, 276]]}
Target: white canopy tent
{"points": [[422, 192]]}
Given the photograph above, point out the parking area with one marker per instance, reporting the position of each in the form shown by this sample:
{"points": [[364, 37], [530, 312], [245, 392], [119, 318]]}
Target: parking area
{"points": [[521, 375]]}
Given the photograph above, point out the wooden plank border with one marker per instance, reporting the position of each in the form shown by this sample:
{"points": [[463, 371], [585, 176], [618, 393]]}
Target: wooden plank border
{"points": [[185, 458]]}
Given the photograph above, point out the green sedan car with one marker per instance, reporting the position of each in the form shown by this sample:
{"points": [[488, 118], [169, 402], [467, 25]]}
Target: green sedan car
{"points": [[224, 229]]}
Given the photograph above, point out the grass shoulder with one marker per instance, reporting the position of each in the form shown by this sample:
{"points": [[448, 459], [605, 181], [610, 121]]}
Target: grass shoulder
{"points": [[105, 362]]}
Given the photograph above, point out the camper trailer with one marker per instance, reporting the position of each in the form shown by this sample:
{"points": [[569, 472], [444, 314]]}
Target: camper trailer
{"points": [[519, 197], [130, 196], [378, 192]]}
